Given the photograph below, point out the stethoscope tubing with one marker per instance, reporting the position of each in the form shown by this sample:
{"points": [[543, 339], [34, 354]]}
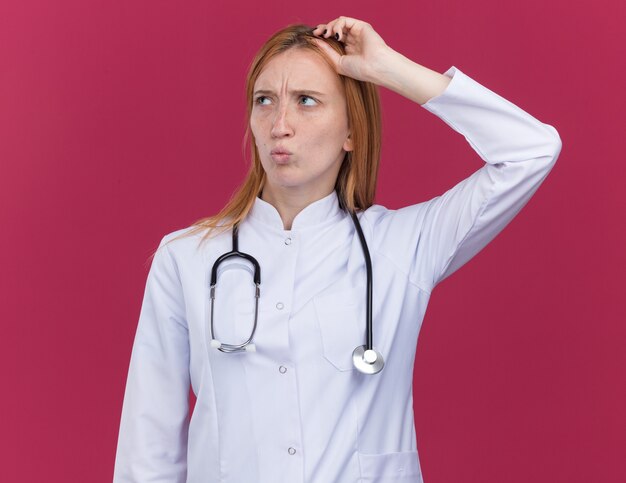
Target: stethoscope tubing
{"points": [[257, 293], [365, 358], [369, 290]]}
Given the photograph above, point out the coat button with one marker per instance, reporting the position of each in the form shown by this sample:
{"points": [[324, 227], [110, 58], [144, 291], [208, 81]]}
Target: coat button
{"points": [[282, 369], [288, 241], [291, 451], [280, 306]]}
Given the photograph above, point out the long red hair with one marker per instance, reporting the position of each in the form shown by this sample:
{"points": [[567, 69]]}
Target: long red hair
{"points": [[356, 181]]}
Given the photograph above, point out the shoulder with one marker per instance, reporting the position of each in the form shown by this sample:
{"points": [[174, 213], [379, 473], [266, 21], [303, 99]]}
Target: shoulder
{"points": [[377, 214], [181, 243], [177, 236]]}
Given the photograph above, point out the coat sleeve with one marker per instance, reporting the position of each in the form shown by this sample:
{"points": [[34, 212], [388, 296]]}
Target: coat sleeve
{"points": [[152, 442], [432, 240]]}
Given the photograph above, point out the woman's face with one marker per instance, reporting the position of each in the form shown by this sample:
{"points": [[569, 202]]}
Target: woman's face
{"points": [[299, 107]]}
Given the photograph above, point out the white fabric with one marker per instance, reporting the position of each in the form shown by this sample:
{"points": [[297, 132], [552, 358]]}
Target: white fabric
{"points": [[296, 410]]}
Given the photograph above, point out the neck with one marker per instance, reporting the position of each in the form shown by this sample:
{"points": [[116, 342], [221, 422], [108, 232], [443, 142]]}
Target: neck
{"points": [[290, 203]]}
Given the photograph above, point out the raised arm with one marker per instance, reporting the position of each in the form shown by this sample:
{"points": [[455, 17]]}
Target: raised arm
{"points": [[152, 444], [431, 240]]}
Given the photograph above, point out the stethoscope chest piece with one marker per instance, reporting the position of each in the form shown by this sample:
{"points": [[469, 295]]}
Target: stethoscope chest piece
{"points": [[367, 361]]}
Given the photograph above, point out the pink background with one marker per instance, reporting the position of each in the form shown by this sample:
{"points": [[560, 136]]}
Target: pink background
{"points": [[123, 121]]}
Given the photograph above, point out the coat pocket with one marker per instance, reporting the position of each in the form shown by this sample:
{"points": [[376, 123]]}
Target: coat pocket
{"points": [[400, 467], [337, 316]]}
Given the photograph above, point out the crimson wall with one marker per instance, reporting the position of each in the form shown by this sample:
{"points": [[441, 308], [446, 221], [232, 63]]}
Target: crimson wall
{"points": [[123, 121]]}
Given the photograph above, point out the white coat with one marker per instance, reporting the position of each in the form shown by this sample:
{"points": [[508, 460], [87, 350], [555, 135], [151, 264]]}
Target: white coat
{"points": [[297, 410]]}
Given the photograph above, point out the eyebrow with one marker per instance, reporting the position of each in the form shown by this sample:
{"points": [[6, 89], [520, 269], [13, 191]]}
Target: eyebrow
{"points": [[305, 92]]}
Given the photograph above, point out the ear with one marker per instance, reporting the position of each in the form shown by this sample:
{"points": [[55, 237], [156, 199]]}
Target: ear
{"points": [[347, 145]]}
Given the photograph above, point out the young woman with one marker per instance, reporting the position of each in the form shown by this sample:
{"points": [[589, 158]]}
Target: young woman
{"points": [[294, 313]]}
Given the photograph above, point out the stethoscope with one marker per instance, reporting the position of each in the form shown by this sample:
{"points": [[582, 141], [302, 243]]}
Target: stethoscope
{"points": [[365, 358]]}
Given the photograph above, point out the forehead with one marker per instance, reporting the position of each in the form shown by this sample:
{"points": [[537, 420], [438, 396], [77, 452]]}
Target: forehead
{"points": [[298, 68]]}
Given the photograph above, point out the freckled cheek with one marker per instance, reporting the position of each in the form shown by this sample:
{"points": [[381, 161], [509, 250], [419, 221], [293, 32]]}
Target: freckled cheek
{"points": [[326, 139], [259, 132]]}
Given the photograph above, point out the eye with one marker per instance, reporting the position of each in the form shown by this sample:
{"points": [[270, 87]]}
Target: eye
{"points": [[260, 100], [311, 102]]}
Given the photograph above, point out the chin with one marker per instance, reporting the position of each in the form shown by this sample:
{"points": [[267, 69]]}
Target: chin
{"points": [[282, 176]]}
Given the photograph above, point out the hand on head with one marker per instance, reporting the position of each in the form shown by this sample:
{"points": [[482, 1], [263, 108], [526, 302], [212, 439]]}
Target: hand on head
{"points": [[364, 47]]}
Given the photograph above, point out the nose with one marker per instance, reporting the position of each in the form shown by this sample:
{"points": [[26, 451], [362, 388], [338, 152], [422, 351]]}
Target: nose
{"points": [[281, 126]]}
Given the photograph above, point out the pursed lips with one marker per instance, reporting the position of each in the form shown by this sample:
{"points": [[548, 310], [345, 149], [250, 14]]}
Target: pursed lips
{"points": [[280, 154], [280, 150]]}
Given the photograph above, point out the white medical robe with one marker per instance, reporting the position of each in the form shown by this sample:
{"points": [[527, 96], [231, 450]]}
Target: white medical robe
{"points": [[296, 410]]}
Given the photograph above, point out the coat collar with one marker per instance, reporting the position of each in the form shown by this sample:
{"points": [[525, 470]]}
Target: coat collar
{"points": [[319, 212]]}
